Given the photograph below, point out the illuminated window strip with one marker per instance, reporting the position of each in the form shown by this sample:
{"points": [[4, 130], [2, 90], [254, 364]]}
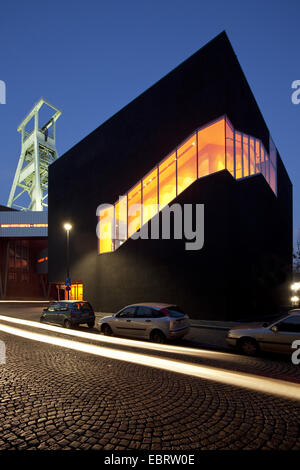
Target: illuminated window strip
{"points": [[23, 225], [244, 140]]}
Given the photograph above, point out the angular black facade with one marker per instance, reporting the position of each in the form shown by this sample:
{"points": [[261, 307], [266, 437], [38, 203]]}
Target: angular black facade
{"points": [[245, 264]]}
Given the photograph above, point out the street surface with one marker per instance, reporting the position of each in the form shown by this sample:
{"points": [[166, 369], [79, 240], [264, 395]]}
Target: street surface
{"points": [[54, 396]]}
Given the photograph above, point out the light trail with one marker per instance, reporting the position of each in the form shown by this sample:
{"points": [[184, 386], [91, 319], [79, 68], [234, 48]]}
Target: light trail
{"points": [[24, 301], [258, 384], [126, 342]]}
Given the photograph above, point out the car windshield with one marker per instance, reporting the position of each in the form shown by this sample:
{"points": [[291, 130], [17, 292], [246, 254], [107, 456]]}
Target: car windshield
{"points": [[274, 318]]}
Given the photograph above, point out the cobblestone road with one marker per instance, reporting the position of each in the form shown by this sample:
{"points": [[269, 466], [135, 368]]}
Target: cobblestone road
{"points": [[55, 398]]}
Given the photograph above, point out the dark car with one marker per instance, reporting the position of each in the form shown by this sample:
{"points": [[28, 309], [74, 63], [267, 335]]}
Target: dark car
{"points": [[69, 313]]}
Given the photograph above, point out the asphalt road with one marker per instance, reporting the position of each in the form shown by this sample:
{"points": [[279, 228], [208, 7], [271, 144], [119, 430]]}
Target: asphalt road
{"points": [[53, 396]]}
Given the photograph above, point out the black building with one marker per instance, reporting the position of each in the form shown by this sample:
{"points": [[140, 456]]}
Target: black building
{"points": [[195, 137]]}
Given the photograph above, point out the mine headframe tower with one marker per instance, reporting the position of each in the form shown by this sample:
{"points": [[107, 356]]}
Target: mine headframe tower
{"points": [[38, 151]]}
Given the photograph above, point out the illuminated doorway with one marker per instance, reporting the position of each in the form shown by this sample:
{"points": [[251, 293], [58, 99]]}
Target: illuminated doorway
{"points": [[76, 292]]}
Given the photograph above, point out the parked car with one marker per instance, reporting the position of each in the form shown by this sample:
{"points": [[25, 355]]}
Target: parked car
{"points": [[155, 321], [273, 336], [69, 313]]}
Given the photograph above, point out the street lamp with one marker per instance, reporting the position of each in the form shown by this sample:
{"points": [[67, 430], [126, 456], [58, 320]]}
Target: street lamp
{"points": [[295, 286], [68, 227], [295, 300]]}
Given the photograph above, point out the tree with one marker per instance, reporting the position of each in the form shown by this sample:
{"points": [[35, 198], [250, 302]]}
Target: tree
{"points": [[296, 256]]}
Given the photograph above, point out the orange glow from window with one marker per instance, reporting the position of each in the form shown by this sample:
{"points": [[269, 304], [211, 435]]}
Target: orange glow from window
{"points": [[167, 181], [273, 177], [238, 155], [252, 157], [245, 155], [186, 164], [23, 225], [267, 166], [106, 230], [150, 195], [257, 156], [262, 160], [41, 260], [211, 148], [134, 209], [229, 148], [121, 221], [76, 292]]}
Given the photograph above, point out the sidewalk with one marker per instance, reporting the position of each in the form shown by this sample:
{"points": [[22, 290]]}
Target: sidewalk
{"points": [[213, 324]]}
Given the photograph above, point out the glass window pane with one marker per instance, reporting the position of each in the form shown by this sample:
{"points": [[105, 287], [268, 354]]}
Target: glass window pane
{"points": [[273, 177], [80, 291], [143, 312], [262, 160], [290, 324], [186, 164], [229, 148], [106, 220], [245, 155], [267, 165], [257, 156], [121, 221], [273, 153], [211, 148], [238, 155], [273, 166], [150, 196], [167, 181], [134, 209], [252, 156]]}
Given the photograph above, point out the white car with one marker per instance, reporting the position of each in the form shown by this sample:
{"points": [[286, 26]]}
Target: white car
{"points": [[277, 335], [154, 321]]}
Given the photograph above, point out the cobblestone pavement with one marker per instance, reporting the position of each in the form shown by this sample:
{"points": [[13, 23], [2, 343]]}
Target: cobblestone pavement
{"points": [[55, 398]]}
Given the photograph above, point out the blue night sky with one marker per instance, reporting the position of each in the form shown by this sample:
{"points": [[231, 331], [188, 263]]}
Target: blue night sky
{"points": [[90, 58]]}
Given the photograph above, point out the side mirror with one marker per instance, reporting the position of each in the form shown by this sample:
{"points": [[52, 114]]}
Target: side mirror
{"points": [[274, 329]]}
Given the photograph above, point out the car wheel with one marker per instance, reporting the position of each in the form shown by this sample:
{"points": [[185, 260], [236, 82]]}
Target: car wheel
{"points": [[67, 324], [106, 330], [157, 336], [42, 320], [248, 346], [91, 324]]}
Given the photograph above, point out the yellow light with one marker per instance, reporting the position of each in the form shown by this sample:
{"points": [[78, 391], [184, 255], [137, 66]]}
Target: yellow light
{"points": [[67, 227], [267, 385], [295, 299], [23, 225], [295, 286]]}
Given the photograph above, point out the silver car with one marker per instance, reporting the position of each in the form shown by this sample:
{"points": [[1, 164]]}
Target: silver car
{"points": [[274, 336], [154, 321]]}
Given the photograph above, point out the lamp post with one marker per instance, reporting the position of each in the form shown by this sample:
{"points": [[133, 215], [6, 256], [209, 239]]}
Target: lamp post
{"points": [[68, 227]]}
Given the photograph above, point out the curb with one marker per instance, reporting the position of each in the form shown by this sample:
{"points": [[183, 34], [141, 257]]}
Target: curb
{"points": [[208, 327]]}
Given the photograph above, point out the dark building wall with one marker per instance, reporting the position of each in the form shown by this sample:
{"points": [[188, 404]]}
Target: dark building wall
{"points": [[121, 151], [235, 275]]}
